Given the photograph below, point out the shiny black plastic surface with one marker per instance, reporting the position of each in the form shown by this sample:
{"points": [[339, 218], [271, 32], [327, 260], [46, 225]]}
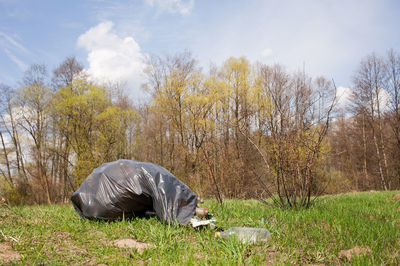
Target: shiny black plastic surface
{"points": [[127, 188]]}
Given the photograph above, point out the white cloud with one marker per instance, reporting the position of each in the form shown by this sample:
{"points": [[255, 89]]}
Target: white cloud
{"points": [[20, 116], [12, 43], [385, 100], [344, 95], [112, 58], [11, 47], [150, 2], [184, 7], [22, 66], [266, 52]]}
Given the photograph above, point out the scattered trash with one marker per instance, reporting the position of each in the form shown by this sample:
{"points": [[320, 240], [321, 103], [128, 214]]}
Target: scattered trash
{"points": [[203, 218], [126, 189], [196, 222], [249, 235], [201, 212]]}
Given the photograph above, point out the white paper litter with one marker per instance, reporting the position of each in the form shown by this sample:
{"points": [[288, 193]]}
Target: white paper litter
{"points": [[196, 221]]}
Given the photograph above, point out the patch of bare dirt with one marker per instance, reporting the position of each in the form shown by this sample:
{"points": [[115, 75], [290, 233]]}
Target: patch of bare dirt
{"points": [[100, 236], [356, 251], [271, 257], [97, 233], [7, 254], [143, 262], [394, 198], [198, 256], [65, 244], [69, 248], [271, 253], [62, 235], [368, 216], [131, 243], [324, 225]]}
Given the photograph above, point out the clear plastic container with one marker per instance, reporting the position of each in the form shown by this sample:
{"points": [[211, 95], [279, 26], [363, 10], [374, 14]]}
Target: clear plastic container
{"points": [[249, 235]]}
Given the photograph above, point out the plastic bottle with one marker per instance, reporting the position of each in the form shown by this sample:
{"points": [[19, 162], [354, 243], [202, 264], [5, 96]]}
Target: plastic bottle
{"points": [[250, 235], [201, 212]]}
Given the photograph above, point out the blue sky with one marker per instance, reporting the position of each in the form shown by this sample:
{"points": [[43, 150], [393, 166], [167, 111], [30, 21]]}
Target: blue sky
{"points": [[113, 38]]}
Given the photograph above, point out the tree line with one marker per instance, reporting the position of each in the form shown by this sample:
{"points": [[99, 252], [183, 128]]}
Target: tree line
{"points": [[238, 130]]}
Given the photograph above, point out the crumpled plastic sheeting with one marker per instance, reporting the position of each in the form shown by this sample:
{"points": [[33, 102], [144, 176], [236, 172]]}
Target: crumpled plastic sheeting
{"points": [[127, 188]]}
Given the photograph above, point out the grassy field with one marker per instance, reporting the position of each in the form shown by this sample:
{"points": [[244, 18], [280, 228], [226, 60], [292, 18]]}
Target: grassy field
{"points": [[357, 228]]}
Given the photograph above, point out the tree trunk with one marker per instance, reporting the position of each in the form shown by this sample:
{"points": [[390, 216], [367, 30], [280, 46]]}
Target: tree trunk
{"points": [[7, 161], [378, 153], [364, 149]]}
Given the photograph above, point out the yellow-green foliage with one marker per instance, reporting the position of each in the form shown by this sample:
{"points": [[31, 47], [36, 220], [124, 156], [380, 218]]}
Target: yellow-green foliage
{"points": [[94, 127], [236, 74]]}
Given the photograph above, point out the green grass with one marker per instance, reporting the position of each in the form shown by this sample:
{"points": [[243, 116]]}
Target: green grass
{"points": [[54, 234]]}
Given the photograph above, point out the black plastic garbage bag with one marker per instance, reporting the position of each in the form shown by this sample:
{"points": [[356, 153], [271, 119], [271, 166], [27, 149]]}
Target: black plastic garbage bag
{"points": [[127, 188]]}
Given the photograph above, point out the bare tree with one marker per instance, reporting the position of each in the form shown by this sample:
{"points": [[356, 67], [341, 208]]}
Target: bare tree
{"points": [[297, 122], [34, 100], [65, 73], [9, 125], [393, 68], [369, 86], [63, 76], [4, 90]]}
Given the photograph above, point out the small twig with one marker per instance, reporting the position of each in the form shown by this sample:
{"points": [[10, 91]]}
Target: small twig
{"points": [[9, 237]]}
